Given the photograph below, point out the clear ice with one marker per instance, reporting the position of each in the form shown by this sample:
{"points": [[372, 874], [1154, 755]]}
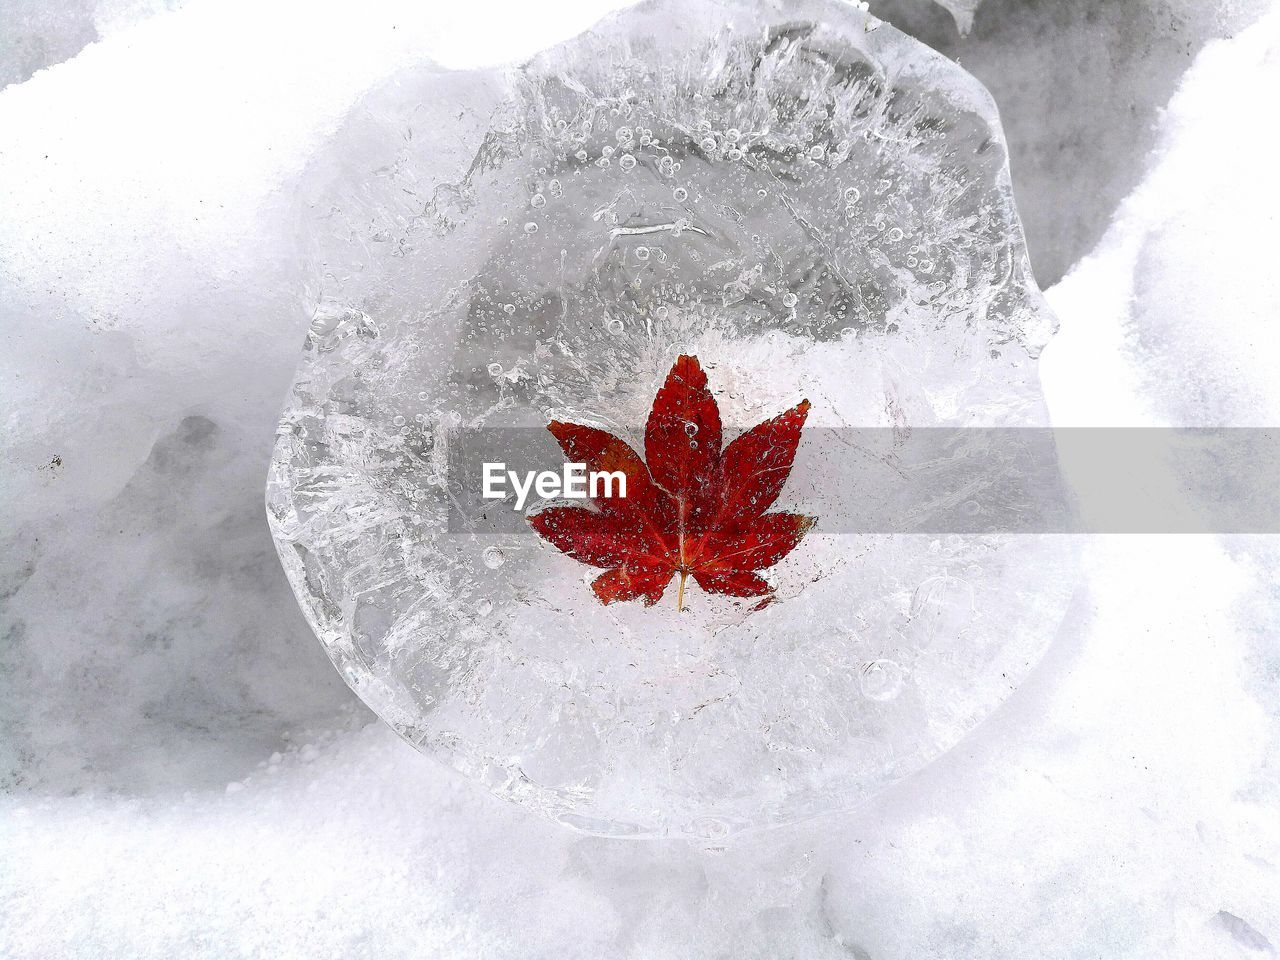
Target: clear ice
{"points": [[811, 202]]}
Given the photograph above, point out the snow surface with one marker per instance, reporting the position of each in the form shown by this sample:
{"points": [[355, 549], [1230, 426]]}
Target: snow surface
{"points": [[1080, 85], [187, 777]]}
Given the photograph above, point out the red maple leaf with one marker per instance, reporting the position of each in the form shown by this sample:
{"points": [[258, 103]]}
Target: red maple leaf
{"points": [[693, 509]]}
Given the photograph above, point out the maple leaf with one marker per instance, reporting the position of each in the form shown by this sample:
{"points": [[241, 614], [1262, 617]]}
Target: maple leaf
{"points": [[691, 508]]}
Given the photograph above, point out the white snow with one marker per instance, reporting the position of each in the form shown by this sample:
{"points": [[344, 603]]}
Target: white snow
{"points": [[186, 776]]}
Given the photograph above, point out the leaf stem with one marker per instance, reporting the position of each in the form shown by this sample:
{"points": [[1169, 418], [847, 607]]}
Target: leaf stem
{"points": [[680, 592]]}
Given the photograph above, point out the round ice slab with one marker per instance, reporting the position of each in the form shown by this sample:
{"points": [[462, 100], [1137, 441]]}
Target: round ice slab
{"points": [[814, 205]]}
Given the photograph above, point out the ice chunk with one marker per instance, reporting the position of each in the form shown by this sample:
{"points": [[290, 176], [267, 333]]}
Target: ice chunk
{"points": [[813, 204]]}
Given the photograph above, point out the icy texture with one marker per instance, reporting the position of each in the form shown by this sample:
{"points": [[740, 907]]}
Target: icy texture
{"points": [[812, 203], [1122, 803]]}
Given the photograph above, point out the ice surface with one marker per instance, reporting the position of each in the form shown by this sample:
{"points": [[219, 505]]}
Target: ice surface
{"points": [[1120, 804], [812, 203]]}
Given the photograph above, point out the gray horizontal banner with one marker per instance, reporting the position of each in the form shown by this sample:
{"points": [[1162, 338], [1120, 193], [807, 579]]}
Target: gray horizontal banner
{"points": [[938, 480]]}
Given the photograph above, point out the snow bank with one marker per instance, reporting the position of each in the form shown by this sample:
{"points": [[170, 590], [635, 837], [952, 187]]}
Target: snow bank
{"points": [[1080, 87]]}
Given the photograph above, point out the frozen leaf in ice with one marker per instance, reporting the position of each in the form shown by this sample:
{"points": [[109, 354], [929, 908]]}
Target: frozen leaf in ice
{"points": [[812, 204], [693, 509]]}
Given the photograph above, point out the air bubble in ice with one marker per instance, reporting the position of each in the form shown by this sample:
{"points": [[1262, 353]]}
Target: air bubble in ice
{"points": [[880, 679]]}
